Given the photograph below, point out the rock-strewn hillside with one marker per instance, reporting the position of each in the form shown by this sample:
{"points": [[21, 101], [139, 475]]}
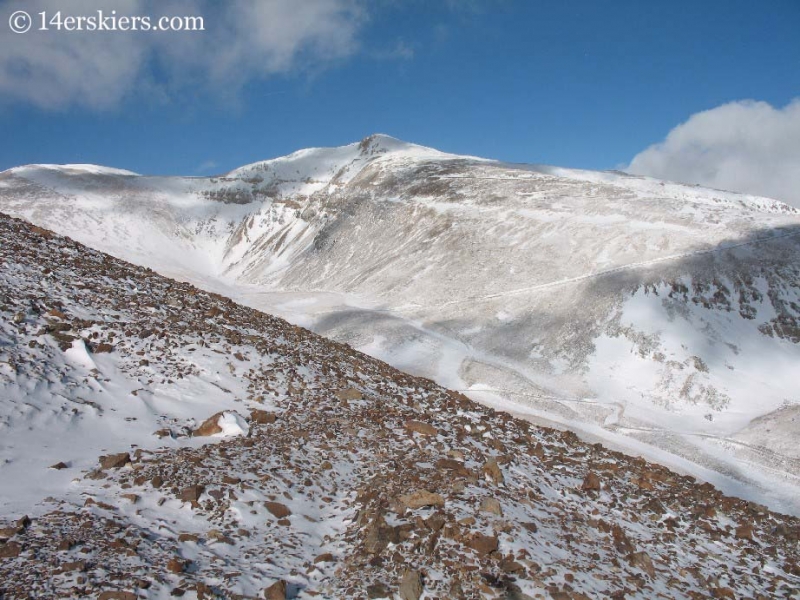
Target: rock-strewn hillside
{"points": [[326, 473]]}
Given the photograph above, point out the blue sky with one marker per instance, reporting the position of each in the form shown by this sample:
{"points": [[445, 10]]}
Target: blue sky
{"points": [[581, 83]]}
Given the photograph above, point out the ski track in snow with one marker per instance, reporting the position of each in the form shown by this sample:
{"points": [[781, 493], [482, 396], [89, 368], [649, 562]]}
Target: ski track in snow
{"points": [[617, 269]]}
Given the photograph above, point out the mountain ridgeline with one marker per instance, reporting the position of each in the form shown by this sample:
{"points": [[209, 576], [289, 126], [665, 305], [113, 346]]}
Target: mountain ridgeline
{"points": [[661, 318]]}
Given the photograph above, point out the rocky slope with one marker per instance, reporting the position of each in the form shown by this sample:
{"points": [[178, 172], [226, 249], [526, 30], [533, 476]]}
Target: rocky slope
{"points": [[661, 318], [314, 470]]}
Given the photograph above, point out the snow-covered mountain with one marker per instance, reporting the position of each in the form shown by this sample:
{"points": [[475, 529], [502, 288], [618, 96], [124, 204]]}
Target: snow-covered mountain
{"points": [[661, 318], [165, 442]]}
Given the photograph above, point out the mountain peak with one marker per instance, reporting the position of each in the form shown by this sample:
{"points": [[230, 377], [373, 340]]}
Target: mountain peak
{"points": [[381, 143], [321, 166]]}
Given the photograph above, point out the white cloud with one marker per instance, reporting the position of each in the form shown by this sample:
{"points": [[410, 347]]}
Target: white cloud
{"points": [[243, 40], [744, 146], [52, 69]]}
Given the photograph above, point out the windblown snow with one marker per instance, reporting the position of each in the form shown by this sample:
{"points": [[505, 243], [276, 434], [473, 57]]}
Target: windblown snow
{"points": [[209, 451], [660, 318]]}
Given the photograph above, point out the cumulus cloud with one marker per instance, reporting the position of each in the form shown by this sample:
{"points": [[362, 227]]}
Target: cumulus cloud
{"points": [[243, 40], [744, 146]]}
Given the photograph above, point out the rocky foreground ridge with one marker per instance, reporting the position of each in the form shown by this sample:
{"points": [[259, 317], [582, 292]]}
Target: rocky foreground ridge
{"points": [[335, 476]]}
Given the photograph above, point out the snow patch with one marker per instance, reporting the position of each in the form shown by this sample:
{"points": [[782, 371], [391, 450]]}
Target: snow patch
{"points": [[232, 424], [79, 355]]}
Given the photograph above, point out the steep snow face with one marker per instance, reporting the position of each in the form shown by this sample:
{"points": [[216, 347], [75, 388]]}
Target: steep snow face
{"points": [[210, 226], [656, 316]]}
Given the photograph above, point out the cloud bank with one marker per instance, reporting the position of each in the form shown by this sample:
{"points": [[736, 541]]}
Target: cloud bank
{"points": [[243, 40], [744, 146]]}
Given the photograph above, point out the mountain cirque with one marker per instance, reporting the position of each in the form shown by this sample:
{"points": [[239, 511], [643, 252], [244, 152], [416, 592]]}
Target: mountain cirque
{"points": [[660, 319], [349, 480]]}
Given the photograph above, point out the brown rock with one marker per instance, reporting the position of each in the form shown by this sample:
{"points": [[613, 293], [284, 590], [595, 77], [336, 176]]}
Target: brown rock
{"points": [[10, 550], [323, 558], [621, 542], [377, 538], [9, 532], [203, 591], [642, 560], [421, 428], [102, 347], [436, 521], [509, 565], [279, 510], [192, 493], [456, 454], [277, 591], [492, 506], [591, 482], [422, 498], [530, 526], [54, 312], [176, 565], [483, 544], [378, 590], [115, 461], [77, 565], [450, 464], [537, 450], [262, 417], [59, 465], [215, 535], [112, 595], [492, 471], [411, 585], [744, 532], [65, 545], [348, 394], [210, 426]]}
